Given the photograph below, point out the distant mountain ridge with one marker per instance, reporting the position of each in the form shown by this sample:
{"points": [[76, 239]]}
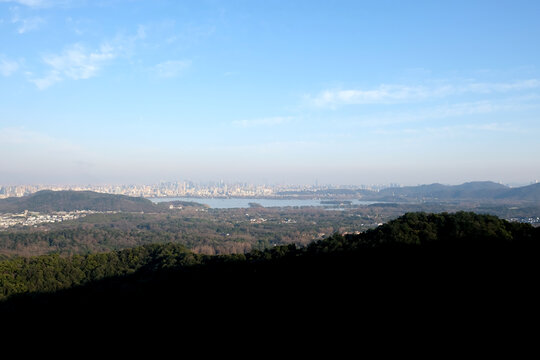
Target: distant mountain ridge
{"points": [[474, 191], [530, 192], [477, 190], [48, 200]]}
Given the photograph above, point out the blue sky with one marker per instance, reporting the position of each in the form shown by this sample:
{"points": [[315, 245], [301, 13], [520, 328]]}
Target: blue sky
{"points": [[343, 92]]}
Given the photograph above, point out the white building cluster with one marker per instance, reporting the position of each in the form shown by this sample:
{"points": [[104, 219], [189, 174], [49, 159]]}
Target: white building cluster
{"points": [[31, 218]]}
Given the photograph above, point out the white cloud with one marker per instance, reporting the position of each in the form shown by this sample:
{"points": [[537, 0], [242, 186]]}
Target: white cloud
{"points": [[391, 94], [17, 136], [461, 109], [382, 94], [448, 111], [31, 3], [171, 68], [269, 121], [7, 67], [454, 130], [39, 3], [487, 88], [79, 63], [27, 24], [76, 63], [141, 32], [50, 79], [493, 126]]}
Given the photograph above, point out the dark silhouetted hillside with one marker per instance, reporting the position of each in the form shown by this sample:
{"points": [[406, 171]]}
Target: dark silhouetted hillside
{"points": [[454, 255]]}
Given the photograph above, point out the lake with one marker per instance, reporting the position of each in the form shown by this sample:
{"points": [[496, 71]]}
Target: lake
{"points": [[232, 203]]}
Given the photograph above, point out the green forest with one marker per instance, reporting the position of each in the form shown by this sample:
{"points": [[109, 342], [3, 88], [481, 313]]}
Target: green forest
{"points": [[212, 231], [215, 231], [420, 243]]}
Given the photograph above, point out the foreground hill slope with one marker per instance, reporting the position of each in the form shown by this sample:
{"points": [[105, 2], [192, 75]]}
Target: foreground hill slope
{"points": [[47, 201], [440, 251]]}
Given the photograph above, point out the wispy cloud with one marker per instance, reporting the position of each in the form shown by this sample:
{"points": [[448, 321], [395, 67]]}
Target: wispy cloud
{"points": [[25, 25], [171, 68], [269, 121], [7, 67], [493, 126], [190, 34], [50, 79], [75, 62], [78, 62], [430, 133], [488, 88], [19, 136], [461, 129], [450, 111], [391, 94], [31, 3], [40, 3], [380, 95]]}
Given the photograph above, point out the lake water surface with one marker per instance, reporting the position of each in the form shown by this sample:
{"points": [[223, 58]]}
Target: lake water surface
{"points": [[232, 203]]}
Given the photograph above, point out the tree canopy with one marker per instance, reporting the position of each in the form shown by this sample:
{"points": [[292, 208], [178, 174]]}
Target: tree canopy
{"points": [[400, 249]]}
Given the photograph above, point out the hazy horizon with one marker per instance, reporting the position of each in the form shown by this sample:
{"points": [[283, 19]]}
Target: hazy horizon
{"points": [[288, 92], [221, 182]]}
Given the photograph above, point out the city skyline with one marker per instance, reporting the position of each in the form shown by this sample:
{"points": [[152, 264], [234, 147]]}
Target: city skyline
{"points": [[206, 189], [269, 92], [180, 188]]}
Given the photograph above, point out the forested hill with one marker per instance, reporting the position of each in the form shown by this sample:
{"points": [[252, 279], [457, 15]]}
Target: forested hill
{"points": [[47, 200], [531, 193], [470, 191], [476, 191], [416, 249]]}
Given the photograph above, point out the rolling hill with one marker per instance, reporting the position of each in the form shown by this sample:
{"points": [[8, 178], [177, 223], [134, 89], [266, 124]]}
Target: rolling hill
{"points": [[530, 193], [487, 191], [470, 191], [47, 200]]}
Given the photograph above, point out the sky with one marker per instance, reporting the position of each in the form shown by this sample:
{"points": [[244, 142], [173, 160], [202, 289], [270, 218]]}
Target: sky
{"points": [[285, 92]]}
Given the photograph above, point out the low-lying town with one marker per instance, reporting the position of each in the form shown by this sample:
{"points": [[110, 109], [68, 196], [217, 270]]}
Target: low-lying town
{"points": [[32, 218], [535, 221]]}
